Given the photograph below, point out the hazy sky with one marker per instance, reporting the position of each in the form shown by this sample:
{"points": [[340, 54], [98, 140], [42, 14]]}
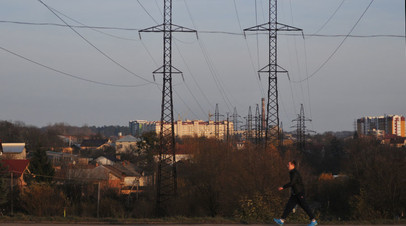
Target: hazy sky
{"points": [[43, 67]]}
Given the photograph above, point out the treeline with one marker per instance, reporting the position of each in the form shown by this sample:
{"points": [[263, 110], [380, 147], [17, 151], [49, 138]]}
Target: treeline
{"points": [[346, 179], [47, 136], [105, 131]]}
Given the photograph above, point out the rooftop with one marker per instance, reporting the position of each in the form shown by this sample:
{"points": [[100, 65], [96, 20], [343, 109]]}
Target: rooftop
{"points": [[13, 148]]}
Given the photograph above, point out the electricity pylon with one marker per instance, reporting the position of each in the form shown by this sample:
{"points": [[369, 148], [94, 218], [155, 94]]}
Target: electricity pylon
{"points": [[248, 126], [166, 181], [258, 125], [217, 122], [301, 129], [272, 70]]}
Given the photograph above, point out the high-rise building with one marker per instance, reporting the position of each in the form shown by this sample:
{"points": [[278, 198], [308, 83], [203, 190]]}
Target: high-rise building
{"points": [[137, 127], [382, 125]]}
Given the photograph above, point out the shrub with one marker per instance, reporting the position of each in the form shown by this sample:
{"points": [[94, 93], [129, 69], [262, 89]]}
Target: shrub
{"points": [[43, 200]]}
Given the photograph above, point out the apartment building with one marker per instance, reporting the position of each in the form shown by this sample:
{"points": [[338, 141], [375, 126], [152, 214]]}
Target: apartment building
{"points": [[382, 125], [185, 128]]}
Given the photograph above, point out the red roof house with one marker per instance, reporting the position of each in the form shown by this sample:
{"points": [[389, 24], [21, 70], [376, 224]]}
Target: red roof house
{"points": [[16, 168]]}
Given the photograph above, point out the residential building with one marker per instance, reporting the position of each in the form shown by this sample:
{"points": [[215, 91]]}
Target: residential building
{"points": [[188, 128], [137, 127], [13, 151], [382, 125], [102, 160], [126, 143], [94, 144], [120, 176], [16, 169], [182, 153]]}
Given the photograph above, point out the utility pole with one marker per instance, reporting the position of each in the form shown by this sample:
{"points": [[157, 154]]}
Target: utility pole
{"points": [[272, 70], [166, 172], [12, 195], [98, 200]]}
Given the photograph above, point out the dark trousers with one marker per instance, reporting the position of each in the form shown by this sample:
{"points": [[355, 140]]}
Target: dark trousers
{"points": [[297, 200]]}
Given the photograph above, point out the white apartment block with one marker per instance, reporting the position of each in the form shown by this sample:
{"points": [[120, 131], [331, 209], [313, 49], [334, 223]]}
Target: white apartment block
{"points": [[186, 128]]}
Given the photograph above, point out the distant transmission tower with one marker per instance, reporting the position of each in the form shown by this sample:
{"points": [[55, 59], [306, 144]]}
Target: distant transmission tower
{"points": [[235, 119], [272, 69], [258, 125], [301, 129], [217, 122], [166, 182], [249, 125]]}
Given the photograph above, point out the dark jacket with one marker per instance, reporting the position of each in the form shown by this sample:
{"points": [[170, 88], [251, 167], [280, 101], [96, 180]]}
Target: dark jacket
{"points": [[295, 183]]}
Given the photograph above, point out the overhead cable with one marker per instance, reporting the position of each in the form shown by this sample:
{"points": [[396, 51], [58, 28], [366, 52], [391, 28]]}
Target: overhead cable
{"points": [[68, 74], [91, 44], [338, 47], [205, 31], [331, 17]]}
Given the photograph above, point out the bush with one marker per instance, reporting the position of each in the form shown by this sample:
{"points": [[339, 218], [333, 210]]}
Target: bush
{"points": [[43, 200], [260, 208]]}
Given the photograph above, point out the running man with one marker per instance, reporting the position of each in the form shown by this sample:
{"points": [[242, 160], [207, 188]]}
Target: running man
{"points": [[297, 196]]}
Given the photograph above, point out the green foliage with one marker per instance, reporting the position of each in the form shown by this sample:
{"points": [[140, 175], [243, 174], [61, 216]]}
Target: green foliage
{"points": [[260, 208], [40, 167], [4, 186]]}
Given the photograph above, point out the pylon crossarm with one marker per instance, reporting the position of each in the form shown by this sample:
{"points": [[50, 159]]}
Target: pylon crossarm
{"points": [[177, 28], [261, 27], [284, 27], [266, 69], [157, 28], [161, 70]]}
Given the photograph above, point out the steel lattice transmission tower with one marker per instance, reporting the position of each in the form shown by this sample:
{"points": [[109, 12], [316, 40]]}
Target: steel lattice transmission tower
{"points": [[272, 70], [166, 181], [217, 122], [249, 125], [258, 125], [301, 129]]}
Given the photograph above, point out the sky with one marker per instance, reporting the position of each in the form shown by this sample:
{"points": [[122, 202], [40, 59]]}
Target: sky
{"points": [[350, 63]]}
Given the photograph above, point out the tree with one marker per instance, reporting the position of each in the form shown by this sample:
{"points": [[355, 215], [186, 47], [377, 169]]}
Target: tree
{"points": [[4, 186], [41, 167], [380, 171]]}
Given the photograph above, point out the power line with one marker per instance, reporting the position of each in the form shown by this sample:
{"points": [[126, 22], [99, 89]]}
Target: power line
{"points": [[191, 93], [65, 25], [68, 74], [203, 31], [331, 17], [94, 29], [146, 11], [91, 44], [338, 47], [249, 52], [194, 79], [216, 79]]}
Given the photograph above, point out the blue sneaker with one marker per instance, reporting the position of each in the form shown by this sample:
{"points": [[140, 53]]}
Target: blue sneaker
{"points": [[312, 223], [278, 221]]}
